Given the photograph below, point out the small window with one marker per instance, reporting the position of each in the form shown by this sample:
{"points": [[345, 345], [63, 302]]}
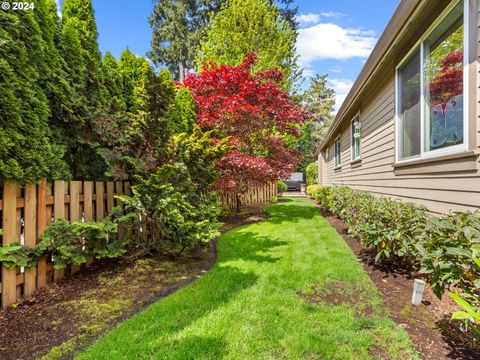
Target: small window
{"points": [[430, 90], [355, 138], [337, 151]]}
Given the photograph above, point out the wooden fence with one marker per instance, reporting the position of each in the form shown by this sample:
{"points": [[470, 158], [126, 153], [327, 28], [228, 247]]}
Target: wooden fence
{"points": [[257, 195], [26, 211]]}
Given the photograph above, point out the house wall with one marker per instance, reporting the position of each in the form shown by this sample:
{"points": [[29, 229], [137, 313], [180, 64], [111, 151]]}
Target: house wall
{"points": [[442, 184]]}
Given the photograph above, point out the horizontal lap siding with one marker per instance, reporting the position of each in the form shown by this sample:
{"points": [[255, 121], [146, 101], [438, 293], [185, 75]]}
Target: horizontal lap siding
{"points": [[439, 192]]}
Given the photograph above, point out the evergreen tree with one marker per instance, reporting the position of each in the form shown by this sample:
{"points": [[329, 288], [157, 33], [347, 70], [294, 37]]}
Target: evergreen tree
{"points": [[80, 15], [319, 101], [26, 149], [177, 29], [130, 70], [245, 26], [113, 84]]}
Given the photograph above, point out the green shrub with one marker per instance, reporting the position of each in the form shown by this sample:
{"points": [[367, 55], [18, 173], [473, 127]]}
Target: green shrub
{"points": [[282, 187], [312, 173], [447, 249], [312, 190], [389, 226], [469, 315], [17, 255], [174, 216]]}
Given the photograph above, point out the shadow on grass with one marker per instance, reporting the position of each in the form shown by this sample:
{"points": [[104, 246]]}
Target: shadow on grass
{"points": [[158, 331]]}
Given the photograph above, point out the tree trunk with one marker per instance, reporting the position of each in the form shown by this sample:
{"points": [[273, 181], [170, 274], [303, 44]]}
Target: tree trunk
{"points": [[181, 70], [239, 202]]}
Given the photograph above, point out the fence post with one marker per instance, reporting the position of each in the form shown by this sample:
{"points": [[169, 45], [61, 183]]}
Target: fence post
{"points": [[9, 276], [30, 217], [41, 225], [59, 212]]}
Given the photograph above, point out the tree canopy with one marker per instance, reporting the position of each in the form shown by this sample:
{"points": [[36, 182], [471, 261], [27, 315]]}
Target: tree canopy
{"points": [[245, 26], [254, 113]]}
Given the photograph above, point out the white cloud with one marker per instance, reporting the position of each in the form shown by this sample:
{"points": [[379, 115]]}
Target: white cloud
{"points": [[309, 18], [341, 87], [331, 41], [332, 14]]}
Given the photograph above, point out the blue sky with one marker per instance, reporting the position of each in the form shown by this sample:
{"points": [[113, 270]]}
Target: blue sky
{"points": [[335, 37]]}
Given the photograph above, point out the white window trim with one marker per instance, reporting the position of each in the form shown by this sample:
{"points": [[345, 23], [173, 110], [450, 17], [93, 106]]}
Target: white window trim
{"points": [[339, 139], [352, 144], [466, 96]]}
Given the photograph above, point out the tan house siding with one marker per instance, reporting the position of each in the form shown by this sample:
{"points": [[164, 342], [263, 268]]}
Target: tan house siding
{"points": [[441, 191]]}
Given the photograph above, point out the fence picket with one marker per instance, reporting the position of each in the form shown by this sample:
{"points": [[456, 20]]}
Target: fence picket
{"points": [[75, 187], [41, 225], [30, 234], [9, 224], [99, 201], [59, 212]]}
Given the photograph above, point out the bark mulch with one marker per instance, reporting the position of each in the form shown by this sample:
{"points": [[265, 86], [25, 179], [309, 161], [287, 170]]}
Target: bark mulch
{"points": [[428, 325], [62, 318]]}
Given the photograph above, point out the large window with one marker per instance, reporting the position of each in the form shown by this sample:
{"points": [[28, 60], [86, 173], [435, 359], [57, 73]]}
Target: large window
{"points": [[337, 151], [355, 138], [430, 89]]}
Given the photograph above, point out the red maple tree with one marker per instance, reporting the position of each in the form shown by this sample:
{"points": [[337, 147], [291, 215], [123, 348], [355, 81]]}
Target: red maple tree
{"points": [[255, 114]]}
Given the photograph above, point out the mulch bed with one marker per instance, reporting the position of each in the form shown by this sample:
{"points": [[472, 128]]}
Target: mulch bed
{"points": [[428, 325], [61, 318]]}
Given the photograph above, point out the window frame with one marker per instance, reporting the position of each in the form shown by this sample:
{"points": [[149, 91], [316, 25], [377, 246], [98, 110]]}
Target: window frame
{"points": [[419, 45], [352, 139], [337, 152]]}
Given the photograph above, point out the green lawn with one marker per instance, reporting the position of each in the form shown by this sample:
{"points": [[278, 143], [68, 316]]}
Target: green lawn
{"points": [[248, 306]]}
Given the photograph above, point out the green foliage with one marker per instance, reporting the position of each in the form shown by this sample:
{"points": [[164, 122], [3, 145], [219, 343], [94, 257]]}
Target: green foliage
{"points": [[27, 149], [17, 255], [312, 173], [469, 315], [60, 241], [312, 190], [174, 217], [177, 29], [282, 187], [445, 248], [449, 248], [319, 100], [387, 225], [245, 26], [75, 242]]}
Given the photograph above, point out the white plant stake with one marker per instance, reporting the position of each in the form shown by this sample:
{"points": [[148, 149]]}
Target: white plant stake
{"points": [[418, 289]]}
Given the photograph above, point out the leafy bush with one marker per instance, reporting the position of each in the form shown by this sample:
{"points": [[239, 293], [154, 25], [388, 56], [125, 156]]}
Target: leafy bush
{"points": [[389, 226], [469, 315], [174, 216], [282, 187], [445, 248], [17, 255], [312, 190], [312, 173], [448, 248], [60, 241]]}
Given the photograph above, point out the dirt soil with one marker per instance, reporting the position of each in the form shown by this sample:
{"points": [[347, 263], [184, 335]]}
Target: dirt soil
{"points": [[431, 331], [64, 317]]}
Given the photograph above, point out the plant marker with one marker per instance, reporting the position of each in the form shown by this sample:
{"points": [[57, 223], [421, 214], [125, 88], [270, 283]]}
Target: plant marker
{"points": [[418, 289]]}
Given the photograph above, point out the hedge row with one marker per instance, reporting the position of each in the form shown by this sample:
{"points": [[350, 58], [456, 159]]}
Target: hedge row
{"points": [[445, 248]]}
